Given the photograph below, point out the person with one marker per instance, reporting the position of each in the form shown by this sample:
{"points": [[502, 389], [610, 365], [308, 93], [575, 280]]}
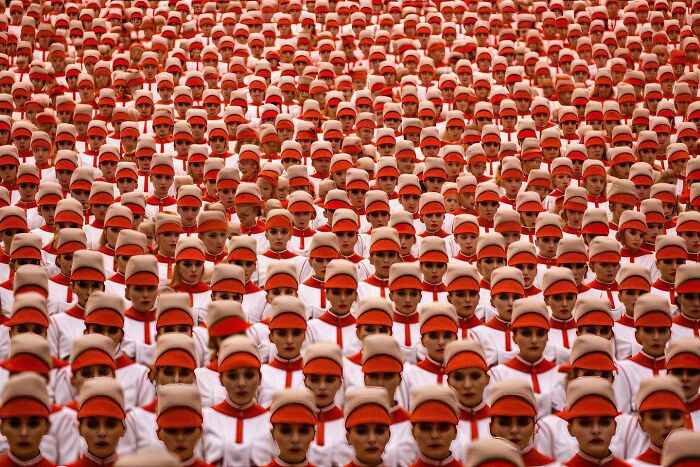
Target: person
{"points": [[434, 425], [405, 282], [367, 423], [682, 363], [288, 326], [489, 451], [293, 426], [323, 375], [231, 427], [590, 413], [530, 327], [513, 412], [24, 420], [467, 375], [661, 407], [179, 418], [100, 421], [681, 447]]}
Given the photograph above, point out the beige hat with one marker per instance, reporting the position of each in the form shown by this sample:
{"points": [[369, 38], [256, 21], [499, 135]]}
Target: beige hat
{"points": [[591, 352], [521, 252], [512, 397], [228, 278], [225, 317], [141, 270], [87, 265], [101, 397], [282, 273], [465, 353], [590, 396], [287, 312], [105, 309], [433, 249], [437, 317], [593, 311], [493, 451], [683, 352], [491, 245], [342, 274], [293, 406], [652, 310], [687, 278], [25, 395], [681, 448], [405, 276], [31, 278], [434, 403], [153, 457], [558, 280], [659, 393], [323, 358], [367, 405], [324, 245], [92, 349], [381, 353], [179, 406], [530, 312], [175, 349], [634, 277], [28, 352], [604, 250], [238, 352], [507, 279]]}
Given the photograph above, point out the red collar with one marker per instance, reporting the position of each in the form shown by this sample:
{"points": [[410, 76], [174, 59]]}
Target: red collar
{"points": [[626, 253], [123, 361], [377, 282], [118, 279], [227, 409], [251, 288], [534, 457], [462, 257], [356, 358], [355, 258], [167, 201], [338, 321], [306, 233], [559, 324], [292, 365], [626, 320], [431, 366], [314, 283], [259, 227], [546, 261], [286, 254], [682, 320], [652, 455], [164, 259], [663, 285], [216, 259], [329, 415], [474, 415], [199, 287], [440, 233], [76, 312], [413, 318], [138, 316], [532, 291], [538, 368], [427, 287], [399, 414], [646, 361], [596, 284], [498, 324]]}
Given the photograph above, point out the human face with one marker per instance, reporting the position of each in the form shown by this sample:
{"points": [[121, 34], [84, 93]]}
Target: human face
{"points": [[293, 441], [434, 439], [83, 290], [180, 441], [172, 374], [433, 222], [241, 384], [88, 372], [517, 430], [167, 242], [658, 424], [595, 184], [433, 271], [593, 434], [101, 434], [632, 239], [248, 268], [467, 243], [113, 332], [503, 302], [214, 242], [562, 305], [190, 270], [653, 339], [605, 332], [368, 441], [606, 272], [547, 246], [668, 267], [464, 301], [469, 385], [382, 261], [689, 304], [341, 300], [24, 435], [531, 341], [487, 265], [435, 343], [389, 381], [278, 238], [143, 297], [689, 378], [288, 342], [324, 388], [347, 241], [487, 209], [529, 271]]}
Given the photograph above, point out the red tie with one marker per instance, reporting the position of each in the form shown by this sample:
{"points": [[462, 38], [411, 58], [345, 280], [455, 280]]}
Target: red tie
{"points": [[475, 429], [407, 334], [535, 381], [321, 433], [381, 291], [69, 294], [147, 332], [339, 335], [323, 299], [507, 333], [239, 430], [610, 298], [565, 337]]}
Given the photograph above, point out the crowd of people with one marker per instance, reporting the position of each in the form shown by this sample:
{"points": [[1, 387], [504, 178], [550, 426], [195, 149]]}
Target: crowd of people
{"points": [[349, 233]]}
